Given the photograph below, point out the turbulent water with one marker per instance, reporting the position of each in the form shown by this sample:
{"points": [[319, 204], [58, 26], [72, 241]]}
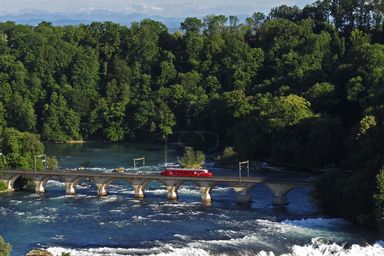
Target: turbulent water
{"points": [[118, 224]]}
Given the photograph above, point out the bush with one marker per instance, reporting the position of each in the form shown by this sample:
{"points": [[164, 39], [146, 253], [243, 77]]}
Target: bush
{"points": [[3, 186], [229, 152], [192, 159], [52, 163], [228, 157], [379, 197], [347, 196], [328, 192], [5, 249]]}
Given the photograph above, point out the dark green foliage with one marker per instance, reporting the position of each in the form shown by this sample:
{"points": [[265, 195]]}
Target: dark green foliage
{"points": [[228, 157], [379, 197], [192, 159], [3, 186], [60, 122], [52, 163], [20, 148]]}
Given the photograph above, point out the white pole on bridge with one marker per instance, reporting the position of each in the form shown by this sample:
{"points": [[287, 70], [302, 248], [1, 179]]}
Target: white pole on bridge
{"points": [[165, 151], [138, 159], [240, 165], [240, 171]]}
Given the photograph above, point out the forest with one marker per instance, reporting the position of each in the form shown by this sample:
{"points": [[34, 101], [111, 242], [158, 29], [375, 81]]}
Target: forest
{"points": [[295, 86]]}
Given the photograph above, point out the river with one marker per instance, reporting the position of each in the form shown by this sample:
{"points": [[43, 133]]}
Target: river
{"points": [[118, 224]]}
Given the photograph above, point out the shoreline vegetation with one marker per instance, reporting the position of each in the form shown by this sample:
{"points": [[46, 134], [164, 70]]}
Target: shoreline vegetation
{"points": [[296, 86]]}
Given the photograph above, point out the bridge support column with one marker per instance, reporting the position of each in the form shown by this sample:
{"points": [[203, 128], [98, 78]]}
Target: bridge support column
{"points": [[243, 195], [205, 193], [280, 200], [102, 189], [279, 193], [39, 186], [172, 192], [70, 188], [139, 191]]}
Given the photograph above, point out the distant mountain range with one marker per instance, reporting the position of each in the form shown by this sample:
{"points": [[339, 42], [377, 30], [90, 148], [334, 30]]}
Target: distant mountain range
{"points": [[34, 17]]}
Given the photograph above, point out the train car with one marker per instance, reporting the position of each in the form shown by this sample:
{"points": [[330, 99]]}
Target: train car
{"points": [[186, 172]]}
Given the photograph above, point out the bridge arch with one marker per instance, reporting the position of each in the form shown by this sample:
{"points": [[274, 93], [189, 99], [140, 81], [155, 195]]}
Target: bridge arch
{"points": [[280, 191], [16, 182], [186, 188], [119, 186], [53, 177], [299, 197]]}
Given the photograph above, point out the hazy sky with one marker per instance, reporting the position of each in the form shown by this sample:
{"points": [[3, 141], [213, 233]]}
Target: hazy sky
{"points": [[170, 8]]}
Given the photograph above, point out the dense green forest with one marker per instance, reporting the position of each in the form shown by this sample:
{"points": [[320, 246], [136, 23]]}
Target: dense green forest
{"points": [[302, 86]]}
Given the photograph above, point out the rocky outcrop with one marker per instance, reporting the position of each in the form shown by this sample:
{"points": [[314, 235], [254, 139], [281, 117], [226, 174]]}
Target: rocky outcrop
{"points": [[39, 252]]}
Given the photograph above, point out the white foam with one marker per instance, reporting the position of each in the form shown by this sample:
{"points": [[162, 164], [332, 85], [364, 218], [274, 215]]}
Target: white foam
{"points": [[15, 202], [107, 199], [221, 189], [100, 169], [157, 191], [201, 248], [57, 237], [317, 222], [115, 211], [187, 251], [164, 250], [319, 248], [55, 183], [139, 218], [42, 218], [189, 190]]}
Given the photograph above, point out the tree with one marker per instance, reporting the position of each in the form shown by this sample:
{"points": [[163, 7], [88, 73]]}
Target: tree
{"points": [[286, 12], [287, 111], [192, 159], [191, 25], [20, 148], [379, 197], [60, 122], [21, 113], [3, 122]]}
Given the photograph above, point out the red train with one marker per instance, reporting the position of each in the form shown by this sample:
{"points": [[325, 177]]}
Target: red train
{"points": [[186, 172]]}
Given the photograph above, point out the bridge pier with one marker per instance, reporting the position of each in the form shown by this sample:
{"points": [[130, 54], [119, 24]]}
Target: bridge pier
{"points": [[205, 192], [279, 193], [138, 191], [243, 195], [39, 186], [172, 192], [102, 189], [70, 188]]}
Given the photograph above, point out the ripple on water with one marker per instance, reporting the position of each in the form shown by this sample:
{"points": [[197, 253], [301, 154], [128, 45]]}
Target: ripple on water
{"points": [[15, 202]]}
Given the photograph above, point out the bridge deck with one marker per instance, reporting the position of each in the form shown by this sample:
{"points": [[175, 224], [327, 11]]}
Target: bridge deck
{"points": [[218, 179]]}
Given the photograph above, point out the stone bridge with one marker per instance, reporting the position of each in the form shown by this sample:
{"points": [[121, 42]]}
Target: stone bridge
{"points": [[243, 187]]}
